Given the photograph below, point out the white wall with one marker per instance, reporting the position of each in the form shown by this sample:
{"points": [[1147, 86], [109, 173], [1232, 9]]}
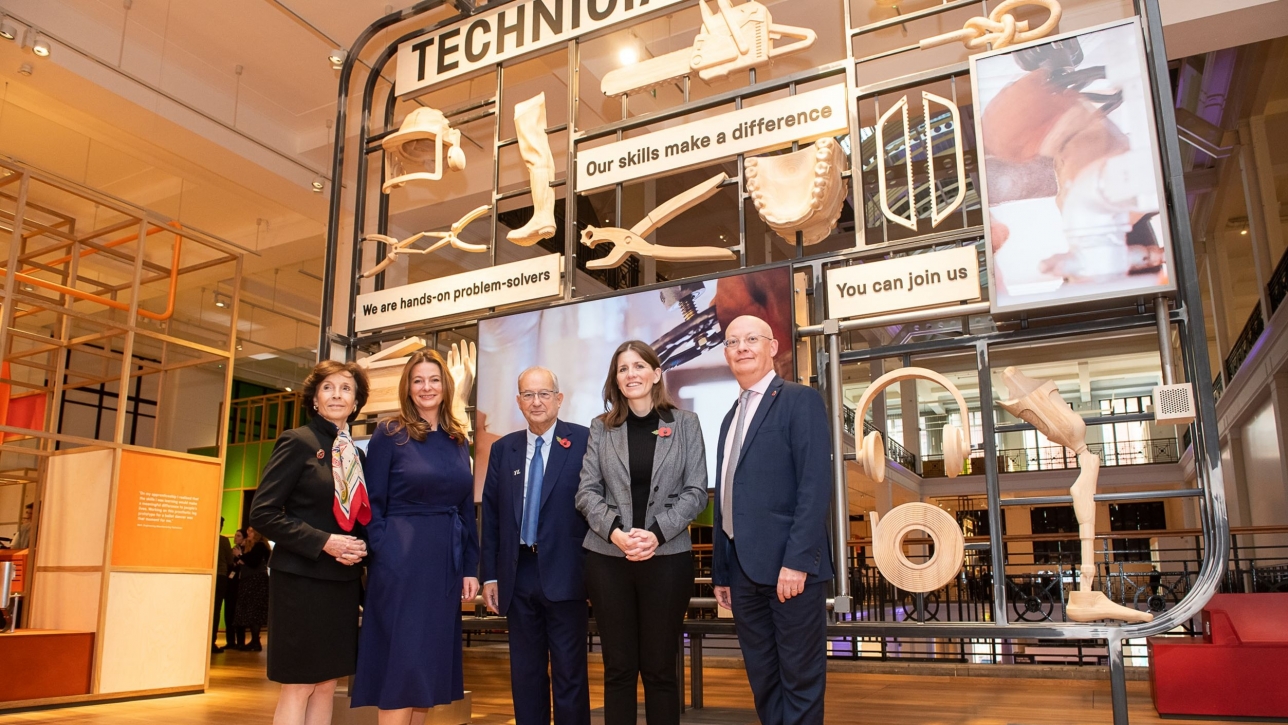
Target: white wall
{"points": [[189, 410], [1267, 499]]}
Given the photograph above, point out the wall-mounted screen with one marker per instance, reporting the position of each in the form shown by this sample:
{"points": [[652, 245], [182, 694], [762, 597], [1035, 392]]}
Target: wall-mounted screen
{"points": [[684, 324], [1072, 186]]}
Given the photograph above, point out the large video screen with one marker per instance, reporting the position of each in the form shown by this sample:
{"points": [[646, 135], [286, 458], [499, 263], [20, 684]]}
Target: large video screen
{"points": [[683, 323]]}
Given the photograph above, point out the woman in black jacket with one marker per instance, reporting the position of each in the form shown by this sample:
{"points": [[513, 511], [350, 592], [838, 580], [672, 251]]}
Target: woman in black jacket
{"points": [[252, 589], [312, 503]]}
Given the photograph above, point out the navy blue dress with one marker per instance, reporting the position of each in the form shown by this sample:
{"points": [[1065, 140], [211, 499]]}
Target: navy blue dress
{"points": [[423, 542]]}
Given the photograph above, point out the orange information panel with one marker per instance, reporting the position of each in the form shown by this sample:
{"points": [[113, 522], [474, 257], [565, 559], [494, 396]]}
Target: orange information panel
{"points": [[167, 512]]}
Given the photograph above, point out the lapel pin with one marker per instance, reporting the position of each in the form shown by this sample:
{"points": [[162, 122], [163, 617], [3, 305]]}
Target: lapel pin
{"points": [[321, 454], [774, 394], [517, 471]]}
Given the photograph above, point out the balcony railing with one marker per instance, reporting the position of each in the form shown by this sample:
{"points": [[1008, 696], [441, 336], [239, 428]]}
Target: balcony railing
{"points": [[894, 451], [1053, 458], [1252, 330], [1277, 288], [1218, 387]]}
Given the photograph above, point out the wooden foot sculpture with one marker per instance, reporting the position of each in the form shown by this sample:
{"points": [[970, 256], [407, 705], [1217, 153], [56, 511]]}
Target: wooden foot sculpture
{"points": [[420, 139], [397, 247], [627, 242], [799, 192], [534, 148], [1000, 28], [732, 39], [1039, 403]]}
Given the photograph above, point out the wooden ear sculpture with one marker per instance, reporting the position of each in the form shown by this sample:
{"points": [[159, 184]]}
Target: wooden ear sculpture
{"points": [[871, 453], [799, 192], [420, 140], [1038, 403]]}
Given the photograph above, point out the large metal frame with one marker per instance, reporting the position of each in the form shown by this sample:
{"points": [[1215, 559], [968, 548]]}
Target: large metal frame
{"points": [[831, 357]]}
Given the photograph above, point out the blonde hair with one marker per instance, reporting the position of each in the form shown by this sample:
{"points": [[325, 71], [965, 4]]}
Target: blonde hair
{"points": [[409, 418]]}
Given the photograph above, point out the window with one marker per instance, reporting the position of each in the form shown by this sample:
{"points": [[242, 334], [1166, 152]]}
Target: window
{"points": [[1143, 516], [1055, 520]]}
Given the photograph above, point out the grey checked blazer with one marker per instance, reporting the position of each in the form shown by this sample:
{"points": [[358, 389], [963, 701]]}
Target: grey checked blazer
{"points": [[679, 483]]}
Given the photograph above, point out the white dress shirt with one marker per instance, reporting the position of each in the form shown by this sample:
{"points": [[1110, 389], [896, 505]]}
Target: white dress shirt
{"points": [[753, 402], [547, 440]]}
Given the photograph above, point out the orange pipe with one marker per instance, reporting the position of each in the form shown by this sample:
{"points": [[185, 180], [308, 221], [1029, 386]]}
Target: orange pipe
{"points": [[114, 304], [87, 252]]}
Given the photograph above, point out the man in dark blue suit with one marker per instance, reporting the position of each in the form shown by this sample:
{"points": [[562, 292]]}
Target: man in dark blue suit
{"points": [[772, 559], [532, 555]]}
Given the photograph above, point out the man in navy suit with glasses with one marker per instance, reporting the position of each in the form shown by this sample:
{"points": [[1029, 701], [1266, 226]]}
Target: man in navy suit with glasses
{"points": [[532, 555], [771, 555]]}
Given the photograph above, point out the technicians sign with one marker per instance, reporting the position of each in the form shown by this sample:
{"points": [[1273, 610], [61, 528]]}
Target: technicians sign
{"points": [[504, 284], [515, 29], [905, 283], [805, 116]]}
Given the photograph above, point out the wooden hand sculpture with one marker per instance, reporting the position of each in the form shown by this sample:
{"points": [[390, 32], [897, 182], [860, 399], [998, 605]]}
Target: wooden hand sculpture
{"points": [[1039, 403], [451, 237], [627, 242], [462, 366]]}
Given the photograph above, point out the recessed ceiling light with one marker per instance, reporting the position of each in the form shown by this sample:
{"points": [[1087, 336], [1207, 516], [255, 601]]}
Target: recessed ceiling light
{"points": [[337, 58], [40, 46], [8, 30], [628, 55], [25, 69], [288, 388], [319, 183], [263, 356]]}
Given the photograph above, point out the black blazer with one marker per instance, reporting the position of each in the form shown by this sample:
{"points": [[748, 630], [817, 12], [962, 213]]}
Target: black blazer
{"points": [[293, 506]]}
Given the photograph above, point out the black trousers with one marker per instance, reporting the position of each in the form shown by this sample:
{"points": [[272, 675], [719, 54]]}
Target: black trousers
{"points": [[784, 646], [221, 587], [547, 646], [639, 608]]}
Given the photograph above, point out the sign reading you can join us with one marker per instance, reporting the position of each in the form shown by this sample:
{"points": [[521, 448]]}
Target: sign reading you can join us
{"points": [[802, 117], [905, 283], [504, 284], [516, 29]]}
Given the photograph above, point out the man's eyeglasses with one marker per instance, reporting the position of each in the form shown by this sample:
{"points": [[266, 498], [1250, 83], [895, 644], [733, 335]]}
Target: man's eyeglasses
{"points": [[546, 396], [751, 340]]}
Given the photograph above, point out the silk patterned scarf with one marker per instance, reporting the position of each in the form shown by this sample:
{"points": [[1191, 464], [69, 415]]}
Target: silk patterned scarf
{"points": [[351, 504]]}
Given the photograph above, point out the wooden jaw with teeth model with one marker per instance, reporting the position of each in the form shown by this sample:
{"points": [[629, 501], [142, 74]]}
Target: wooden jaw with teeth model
{"points": [[731, 39], [799, 192]]}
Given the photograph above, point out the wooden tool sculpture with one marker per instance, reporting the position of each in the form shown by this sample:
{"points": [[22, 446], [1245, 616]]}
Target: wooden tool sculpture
{"points": [[799, 192], [1000, 28], [397, 247], [534, 149], [418, 141], [627, 242], [734, 38], [1038, 402]]}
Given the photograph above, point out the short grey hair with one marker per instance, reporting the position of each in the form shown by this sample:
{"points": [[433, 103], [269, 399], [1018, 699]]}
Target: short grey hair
{"points": [[538, 369]]}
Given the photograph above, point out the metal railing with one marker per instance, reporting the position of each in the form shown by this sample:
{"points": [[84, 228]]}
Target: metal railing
{"points": [[1248, 337], [894, 451], [1052, 458], [1277, 287], [1218, 387]]}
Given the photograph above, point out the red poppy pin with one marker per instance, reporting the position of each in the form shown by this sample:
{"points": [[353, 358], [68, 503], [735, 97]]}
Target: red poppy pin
{"points": [[662, 432], [321, 454], [563, 442]]}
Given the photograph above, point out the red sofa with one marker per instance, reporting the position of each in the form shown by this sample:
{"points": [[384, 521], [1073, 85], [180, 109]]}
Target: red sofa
{"points": [[1238, 668]]}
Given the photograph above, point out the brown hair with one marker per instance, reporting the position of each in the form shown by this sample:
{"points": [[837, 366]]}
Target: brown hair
{"points": [[615, 405], [409, 418], [326, 369]]}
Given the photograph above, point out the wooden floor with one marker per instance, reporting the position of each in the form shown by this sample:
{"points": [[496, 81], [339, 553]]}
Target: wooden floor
{"points": [[239, 695]]}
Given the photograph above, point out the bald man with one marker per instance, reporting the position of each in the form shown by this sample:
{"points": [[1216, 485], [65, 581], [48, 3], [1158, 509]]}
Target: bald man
{"points": [[772, 559]]}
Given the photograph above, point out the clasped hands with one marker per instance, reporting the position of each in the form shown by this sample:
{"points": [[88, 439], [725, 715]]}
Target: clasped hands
{"points": [[637, 544], [347, 550]]}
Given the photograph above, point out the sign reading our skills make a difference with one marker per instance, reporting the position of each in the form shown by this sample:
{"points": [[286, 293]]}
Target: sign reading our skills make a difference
{"points": [[805, 116], [504, 284], [905, 283], [515, 29]]}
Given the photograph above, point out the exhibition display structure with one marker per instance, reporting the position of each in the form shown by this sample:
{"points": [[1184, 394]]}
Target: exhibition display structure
{"points": [[119, 585], [1024, 228]]}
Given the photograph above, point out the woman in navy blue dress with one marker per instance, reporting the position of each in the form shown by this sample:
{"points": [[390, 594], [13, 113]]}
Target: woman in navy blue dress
{"points": [[424, 550]]}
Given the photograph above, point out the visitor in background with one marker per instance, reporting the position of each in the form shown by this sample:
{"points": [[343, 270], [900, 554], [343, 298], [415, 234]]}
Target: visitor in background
{"points": [[312, 502], [235, 636], [252, 589], [424, 550], [643, 481], [22, 539], [223, 560]]}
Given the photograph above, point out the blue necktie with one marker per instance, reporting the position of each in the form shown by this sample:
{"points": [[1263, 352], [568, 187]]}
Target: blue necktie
{"points": [[532, 500]]}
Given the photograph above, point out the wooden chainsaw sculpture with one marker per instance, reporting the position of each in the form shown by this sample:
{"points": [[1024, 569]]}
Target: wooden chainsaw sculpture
{"points": [[628, 242], [1038, 402], [397, 247], [732, 39]]}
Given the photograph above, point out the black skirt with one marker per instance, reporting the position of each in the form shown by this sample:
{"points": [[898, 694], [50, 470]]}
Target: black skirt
{"points": [[312, 628]]}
